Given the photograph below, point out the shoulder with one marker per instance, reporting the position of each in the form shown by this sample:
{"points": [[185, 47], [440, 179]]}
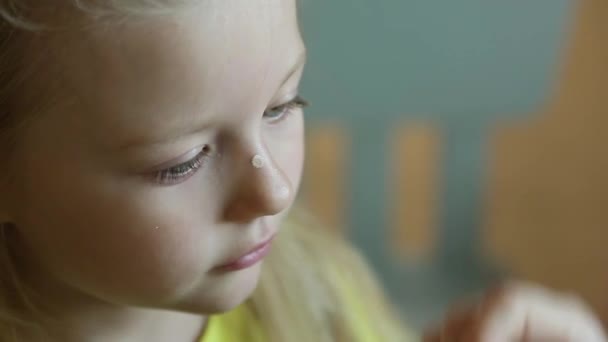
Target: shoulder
{"points": [[360, 307]]}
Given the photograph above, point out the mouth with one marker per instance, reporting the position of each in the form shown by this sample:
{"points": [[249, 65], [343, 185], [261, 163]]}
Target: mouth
{"points": [[247, 259]]}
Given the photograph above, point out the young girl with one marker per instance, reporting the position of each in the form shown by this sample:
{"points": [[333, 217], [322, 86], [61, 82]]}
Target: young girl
{"points": [[151, 151]]}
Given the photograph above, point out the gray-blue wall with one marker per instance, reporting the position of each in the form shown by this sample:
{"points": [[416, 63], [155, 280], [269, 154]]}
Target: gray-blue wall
{"points": [[461, 65]]}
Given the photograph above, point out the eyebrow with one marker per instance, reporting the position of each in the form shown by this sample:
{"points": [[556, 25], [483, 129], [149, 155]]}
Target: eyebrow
{"points": [[299, 62]]}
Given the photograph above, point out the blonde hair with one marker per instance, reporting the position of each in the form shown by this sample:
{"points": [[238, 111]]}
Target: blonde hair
{"points": [[301, 294]]}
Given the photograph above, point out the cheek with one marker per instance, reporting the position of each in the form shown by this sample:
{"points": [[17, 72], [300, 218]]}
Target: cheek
{"points": [[101, 237]]}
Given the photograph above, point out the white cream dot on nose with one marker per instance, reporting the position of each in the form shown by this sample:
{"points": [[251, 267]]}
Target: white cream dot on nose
{"points": [[257, 161]]}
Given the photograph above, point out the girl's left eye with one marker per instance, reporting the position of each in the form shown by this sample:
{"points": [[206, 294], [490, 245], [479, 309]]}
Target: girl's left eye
{"points": [[278, 113], [179, 173]]}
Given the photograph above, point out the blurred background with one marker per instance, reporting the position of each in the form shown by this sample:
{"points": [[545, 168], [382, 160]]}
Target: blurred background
{"points": [[459, 142]]}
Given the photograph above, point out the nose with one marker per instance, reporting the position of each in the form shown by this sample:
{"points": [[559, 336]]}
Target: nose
{"points": [[262, 189]]}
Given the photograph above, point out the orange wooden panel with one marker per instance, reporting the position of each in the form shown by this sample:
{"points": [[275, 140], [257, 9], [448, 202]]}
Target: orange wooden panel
{"points": [[324, 187], [546, 210], [414, 201]]}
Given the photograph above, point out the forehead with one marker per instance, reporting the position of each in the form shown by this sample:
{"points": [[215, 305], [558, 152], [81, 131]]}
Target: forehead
{"points": [[181, 63]]}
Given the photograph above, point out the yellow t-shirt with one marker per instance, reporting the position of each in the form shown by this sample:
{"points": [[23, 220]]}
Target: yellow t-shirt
{"points": [[241, 325], [238, 325]]}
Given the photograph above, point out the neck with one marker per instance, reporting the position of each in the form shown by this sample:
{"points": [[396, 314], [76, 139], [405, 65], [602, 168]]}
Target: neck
{"points": [[121, 324], [69, 315], [92, 320]]}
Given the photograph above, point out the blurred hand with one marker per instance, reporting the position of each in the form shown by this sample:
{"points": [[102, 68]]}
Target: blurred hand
{"points": [[521, 312]]}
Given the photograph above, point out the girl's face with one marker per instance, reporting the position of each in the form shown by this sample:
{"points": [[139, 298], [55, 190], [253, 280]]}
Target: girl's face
{"points": [[137, 185]]}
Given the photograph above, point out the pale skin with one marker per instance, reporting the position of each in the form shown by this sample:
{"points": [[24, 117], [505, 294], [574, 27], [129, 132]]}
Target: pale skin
{"points": [[117, 231], [100, 222], [520, 312]]}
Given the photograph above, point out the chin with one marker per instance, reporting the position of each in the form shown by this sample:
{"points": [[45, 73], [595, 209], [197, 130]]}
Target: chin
{"points": [[223, 293]]}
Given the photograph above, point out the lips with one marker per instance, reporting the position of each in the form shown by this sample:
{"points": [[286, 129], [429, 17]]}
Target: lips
{"points": [[249, 258]]}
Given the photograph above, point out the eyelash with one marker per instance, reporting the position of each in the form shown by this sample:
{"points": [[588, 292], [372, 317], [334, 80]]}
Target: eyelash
{"points": [[286, 109], [179, 173], [183, 171]]}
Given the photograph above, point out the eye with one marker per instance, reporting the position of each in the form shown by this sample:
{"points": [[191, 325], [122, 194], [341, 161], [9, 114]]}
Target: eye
{"points": [[278, 113], [179, 173]]}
